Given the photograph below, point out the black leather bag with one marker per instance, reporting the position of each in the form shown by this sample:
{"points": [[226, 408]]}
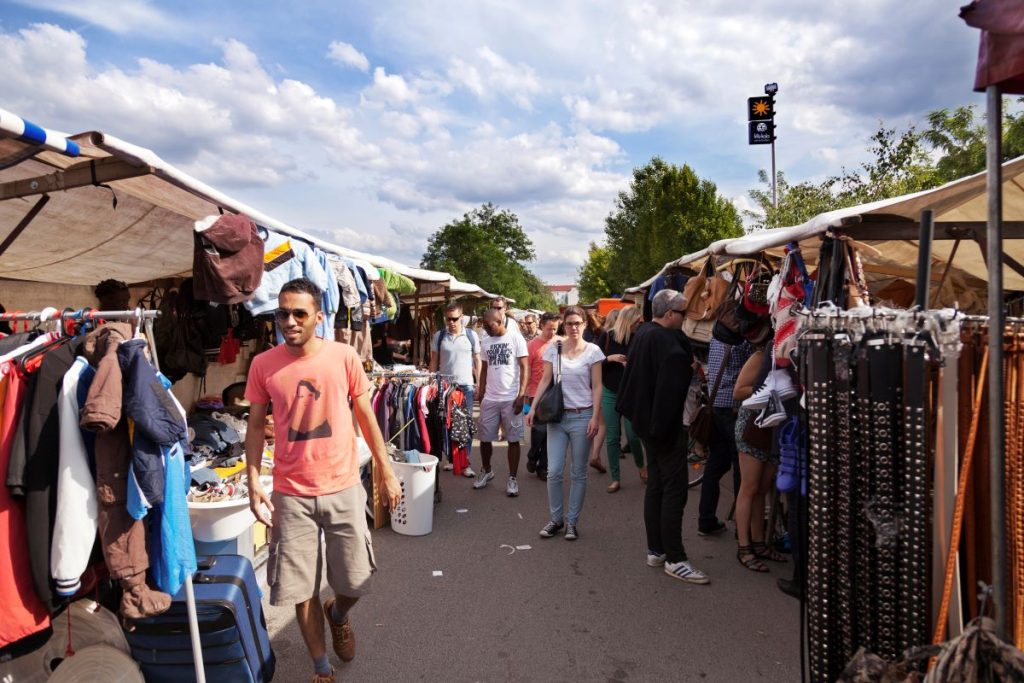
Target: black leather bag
{"points": [[550, 407], [702, 426]]}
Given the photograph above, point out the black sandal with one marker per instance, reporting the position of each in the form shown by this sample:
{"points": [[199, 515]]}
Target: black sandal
{"points": [[754, 564], [765, 552]]}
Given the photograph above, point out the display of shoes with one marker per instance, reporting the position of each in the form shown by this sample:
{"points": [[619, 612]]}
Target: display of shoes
{"points": [[779, 381], [774, 413]]}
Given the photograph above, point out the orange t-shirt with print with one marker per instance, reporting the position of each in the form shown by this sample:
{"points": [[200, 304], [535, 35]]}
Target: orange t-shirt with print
{"points": [[314, 439]]}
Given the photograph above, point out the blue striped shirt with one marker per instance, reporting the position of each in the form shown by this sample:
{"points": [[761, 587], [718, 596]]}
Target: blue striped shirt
{"points": [[739, 356]]}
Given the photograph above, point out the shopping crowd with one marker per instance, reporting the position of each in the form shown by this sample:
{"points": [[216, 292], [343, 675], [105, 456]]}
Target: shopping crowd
{"points": [[633, 387]]}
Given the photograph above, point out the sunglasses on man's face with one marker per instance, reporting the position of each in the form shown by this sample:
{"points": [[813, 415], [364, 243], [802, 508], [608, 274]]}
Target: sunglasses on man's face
{"points": [[300, 314], [454, 320]]}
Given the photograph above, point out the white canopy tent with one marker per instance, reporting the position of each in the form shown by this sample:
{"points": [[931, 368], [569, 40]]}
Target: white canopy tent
{"points": [[891, 226], [77, 236]]}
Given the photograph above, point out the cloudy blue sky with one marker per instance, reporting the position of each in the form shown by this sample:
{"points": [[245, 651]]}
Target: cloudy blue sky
{"points": [[373, 123]]}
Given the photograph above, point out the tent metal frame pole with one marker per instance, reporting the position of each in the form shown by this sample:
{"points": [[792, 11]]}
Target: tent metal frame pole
{"points": [[996, 390]]}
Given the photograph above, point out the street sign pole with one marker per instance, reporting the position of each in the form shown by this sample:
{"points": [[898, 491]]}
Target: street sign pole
{"points": [[761, 129]]}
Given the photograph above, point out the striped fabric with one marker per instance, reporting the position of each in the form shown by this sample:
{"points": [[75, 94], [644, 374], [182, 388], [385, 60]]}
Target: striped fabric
{"points": [[26, 131]]}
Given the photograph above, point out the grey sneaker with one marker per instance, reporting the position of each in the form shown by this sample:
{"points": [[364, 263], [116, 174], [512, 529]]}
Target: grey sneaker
{"points": [[550, 529], [468, 473], [570, 532], [512, 488], [655, 559], [684, 571], [483, 480]]}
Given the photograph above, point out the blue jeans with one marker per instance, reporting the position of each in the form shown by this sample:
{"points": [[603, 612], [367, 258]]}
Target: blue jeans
{"points": [[569, 435], [467, 389]]}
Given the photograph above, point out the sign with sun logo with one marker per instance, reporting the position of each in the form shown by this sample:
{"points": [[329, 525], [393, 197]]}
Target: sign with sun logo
{"points": [[760, 108]]}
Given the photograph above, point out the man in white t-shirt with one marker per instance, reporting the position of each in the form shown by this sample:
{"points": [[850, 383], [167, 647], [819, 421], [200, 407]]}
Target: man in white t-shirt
{"points": [[503, 378]]}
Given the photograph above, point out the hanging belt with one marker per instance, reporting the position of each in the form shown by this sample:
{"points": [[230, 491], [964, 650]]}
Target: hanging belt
{"points": [[915, 536], [819, 537], [885, 360]]}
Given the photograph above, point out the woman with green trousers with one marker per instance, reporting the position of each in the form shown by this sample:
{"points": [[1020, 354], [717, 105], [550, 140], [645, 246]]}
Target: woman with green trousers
{"points": [[615, 344]]}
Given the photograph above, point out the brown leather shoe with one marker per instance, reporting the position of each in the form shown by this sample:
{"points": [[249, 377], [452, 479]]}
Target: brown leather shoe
{"points": [[324, 678], [342, 636]]}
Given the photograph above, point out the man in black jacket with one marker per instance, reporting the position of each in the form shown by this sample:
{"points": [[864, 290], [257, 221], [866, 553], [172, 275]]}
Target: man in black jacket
{"points": [[652, 394]]}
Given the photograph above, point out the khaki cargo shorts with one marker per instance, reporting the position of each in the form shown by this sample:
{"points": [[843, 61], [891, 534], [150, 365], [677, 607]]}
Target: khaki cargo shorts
{"points": [[296, 562], [500, 413]]}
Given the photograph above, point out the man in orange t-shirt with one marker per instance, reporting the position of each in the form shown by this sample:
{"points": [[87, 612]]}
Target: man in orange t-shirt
{"points": [[310, 382], [537, 457]]}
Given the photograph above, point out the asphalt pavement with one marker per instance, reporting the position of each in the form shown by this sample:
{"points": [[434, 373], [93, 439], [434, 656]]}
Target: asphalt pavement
{"points": [[484, 598]]}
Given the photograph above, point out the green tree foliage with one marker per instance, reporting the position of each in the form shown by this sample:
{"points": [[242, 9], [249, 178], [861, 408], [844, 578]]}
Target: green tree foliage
{"points": [[952, 146], [593, 274], [487, 247], [667, 212]]}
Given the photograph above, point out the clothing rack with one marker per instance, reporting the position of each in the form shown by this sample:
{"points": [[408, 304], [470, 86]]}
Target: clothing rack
{"points": [[412, 375], [145, 318], [51, 314]]}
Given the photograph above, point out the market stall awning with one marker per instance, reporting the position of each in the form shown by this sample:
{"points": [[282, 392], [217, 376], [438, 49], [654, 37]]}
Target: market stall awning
{"points": [[77, 235], [891, 226]]}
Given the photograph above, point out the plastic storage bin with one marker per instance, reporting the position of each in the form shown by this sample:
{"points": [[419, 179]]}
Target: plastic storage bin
{"points": [[414, 515], [226, 520]]}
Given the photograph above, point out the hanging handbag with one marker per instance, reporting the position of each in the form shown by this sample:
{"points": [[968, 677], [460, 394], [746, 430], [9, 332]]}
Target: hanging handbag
{"points": [[698, 326], [756, 437], [703, 422], [550, 407], [727, 323]]}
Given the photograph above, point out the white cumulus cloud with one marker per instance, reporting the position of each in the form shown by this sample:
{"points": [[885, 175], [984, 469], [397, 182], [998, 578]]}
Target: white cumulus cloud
{"points": [[347, 55]]}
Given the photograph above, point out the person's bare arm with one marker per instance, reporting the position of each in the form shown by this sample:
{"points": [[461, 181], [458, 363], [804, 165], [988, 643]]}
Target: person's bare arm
{"points": [[595, 390], [254, 439], [381, 462], [434, 362], [481, 385], [476, 367], [524, 380]]}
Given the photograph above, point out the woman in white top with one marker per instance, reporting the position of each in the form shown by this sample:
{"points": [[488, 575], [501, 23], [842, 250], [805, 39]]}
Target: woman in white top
{"points": [[581, 394]]}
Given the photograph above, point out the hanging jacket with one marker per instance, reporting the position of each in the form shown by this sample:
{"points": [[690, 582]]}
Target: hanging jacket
{"points": [[75, 524], [227, 261], [42, 463], [285, 258], [172, 549], [123, 538], [156, 424], [331, 297]]}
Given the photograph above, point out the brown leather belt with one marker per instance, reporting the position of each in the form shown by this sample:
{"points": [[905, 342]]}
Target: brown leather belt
{"points": [[578, 410]]}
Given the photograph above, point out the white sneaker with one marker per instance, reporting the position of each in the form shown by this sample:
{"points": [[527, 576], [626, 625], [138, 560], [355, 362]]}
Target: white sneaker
{"points": [[468, 473], [448, 467], [684, 571], [774, 413], [654, 559], [778, 381], [512, 488], [483, 480]]}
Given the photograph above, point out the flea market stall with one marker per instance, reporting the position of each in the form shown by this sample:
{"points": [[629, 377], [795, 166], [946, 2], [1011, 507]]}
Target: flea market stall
{"points": [[878, 318], [92, 208]]}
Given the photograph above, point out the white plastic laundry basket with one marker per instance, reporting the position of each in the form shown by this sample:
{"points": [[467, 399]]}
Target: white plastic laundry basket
{"points": [[414, 515]]}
